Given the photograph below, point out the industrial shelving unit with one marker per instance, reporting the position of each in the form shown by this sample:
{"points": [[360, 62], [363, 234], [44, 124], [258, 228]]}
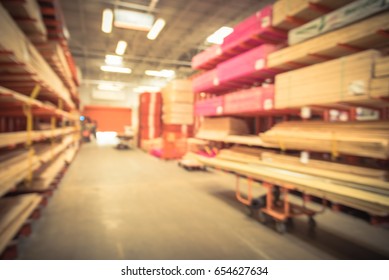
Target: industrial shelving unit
{"points": [[276, 203], [39, 118]]}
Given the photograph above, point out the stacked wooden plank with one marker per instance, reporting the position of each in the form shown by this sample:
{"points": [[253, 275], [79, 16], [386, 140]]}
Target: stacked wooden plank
{"points": [[251, 32], [365, 139], [255, 99], [379, 86], [368, 33], [28, 64], [27, 15], [209, 107], [13, 138], [150, 111], [347, 79], [177, 105], [14, 211], [343, 16], [208, 58], [289, 14], [54, 54], [326, 165], [219, 128]]}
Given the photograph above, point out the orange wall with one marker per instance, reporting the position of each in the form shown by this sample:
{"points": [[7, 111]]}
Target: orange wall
{"points": [[109, 118]]}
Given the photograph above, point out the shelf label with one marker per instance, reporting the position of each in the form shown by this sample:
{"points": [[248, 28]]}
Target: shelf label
{"points": [[306, 112], [304, 157]]}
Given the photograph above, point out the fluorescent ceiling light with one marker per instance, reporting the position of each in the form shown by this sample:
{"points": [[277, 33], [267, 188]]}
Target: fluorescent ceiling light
{"points": [[162, 73], [115, 69], [159, 24], [141, 89], [106, 25], [113, 60], [121, 47], [133, 20], [110, 86], [218, 36]]}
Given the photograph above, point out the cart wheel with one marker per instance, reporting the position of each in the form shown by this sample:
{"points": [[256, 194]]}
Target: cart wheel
{"points": [[290, 222], [262, 217], [281, 227], [311, 222], [253, 212]]}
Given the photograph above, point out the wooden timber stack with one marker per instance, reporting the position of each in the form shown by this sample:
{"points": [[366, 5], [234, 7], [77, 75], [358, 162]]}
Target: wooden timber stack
{"points": [[368, 33], [365, 139], [348, 79], [288, 14]]}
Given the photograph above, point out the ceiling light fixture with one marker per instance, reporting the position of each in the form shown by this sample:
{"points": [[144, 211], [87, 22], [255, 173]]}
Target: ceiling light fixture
{"points": [[121, 47], [218, 36], [141, 89], [115, 69], [110, 87], [113, 60], [162, 73], [106, 25], [158, 25]]}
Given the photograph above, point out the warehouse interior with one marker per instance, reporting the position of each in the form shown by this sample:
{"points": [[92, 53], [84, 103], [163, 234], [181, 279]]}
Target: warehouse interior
{"points": [[194, 130]]}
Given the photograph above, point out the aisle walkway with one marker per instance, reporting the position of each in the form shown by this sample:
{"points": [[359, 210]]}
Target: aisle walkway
{"points": [[128, 205]]}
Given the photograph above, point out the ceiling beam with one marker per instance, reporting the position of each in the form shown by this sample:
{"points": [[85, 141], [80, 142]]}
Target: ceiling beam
{"points": [[101, 55]]}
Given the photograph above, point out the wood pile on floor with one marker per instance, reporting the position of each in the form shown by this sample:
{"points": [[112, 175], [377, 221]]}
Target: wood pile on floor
{"points": [[365, 139]]}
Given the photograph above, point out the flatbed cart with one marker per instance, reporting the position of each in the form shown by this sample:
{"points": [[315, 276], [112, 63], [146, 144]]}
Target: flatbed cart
{"points": [[191, 164], [124, 141], [275, 205]]}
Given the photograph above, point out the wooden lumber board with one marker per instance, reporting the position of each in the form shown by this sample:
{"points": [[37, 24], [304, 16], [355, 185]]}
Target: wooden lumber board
{"points": [[14, 170], [55, 56], [345, 79], [14, 211], [362, 34], [13, 138], [381, 67], [318, 187], [339, 176], [177, 119], [227, 125], [27, 14], [326, 165], [8, 95], [366, 139], [21, 51], [379, 88], [250, 140], [301, 10], [178, 108], [43, 180]]}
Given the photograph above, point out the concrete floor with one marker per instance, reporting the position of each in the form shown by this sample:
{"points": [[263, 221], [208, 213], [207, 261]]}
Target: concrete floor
{"points": [[128, 205]]}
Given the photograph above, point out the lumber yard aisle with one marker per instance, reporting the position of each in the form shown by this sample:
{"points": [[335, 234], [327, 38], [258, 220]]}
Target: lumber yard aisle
{"points": [[117, 209], [197, 129]]}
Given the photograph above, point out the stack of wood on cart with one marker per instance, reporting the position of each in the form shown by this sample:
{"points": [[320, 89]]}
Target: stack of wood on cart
{"points": [[150, 119], [365, 139], [365, 194], [177, 119]]}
